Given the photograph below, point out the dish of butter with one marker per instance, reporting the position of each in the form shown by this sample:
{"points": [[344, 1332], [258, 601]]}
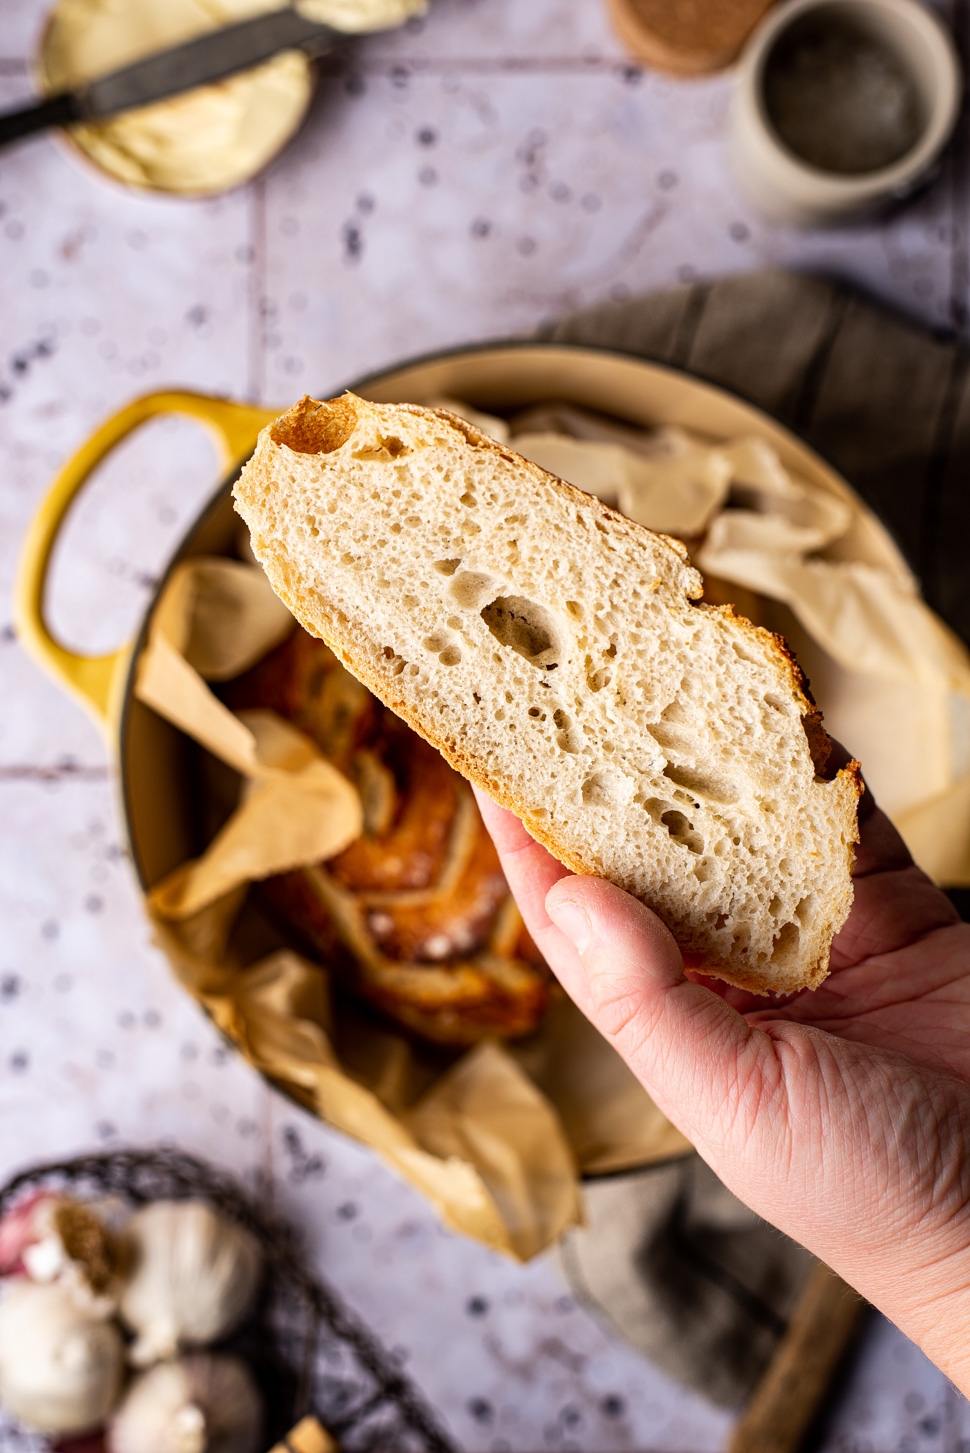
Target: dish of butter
{"points": [[205, 140]]}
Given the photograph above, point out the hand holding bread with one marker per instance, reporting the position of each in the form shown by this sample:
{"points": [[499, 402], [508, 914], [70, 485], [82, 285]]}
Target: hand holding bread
{"points": [[841, 1117], [559, 656]]}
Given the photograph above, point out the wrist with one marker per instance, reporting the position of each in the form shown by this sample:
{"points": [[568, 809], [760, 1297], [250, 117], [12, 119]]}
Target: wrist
{"points": [[930, 1302]]}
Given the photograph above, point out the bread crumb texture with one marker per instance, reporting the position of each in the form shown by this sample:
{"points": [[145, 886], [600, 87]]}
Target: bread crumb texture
{"points": [[559, 656]]}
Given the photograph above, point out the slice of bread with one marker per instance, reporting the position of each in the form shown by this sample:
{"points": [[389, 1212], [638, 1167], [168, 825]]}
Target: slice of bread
{"points": [[556, 653]]}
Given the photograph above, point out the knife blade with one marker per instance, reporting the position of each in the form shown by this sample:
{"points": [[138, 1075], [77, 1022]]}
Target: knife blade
{"points": [[199, 62]]}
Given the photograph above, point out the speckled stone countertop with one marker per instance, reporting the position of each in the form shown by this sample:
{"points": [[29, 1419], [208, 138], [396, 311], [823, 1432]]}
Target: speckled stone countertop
{"points": [[470, 177]]}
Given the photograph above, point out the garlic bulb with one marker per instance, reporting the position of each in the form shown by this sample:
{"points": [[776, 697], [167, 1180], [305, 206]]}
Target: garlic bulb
{"points": [[201, 1404], [193, 1279], [60, 1365], [50, 1237]]}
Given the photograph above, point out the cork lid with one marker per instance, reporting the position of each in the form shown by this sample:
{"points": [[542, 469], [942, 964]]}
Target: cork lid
{"points": [[686, 37]]}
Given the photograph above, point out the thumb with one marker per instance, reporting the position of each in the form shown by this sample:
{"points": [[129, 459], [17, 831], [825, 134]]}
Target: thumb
{"points": [[718, 1079]]}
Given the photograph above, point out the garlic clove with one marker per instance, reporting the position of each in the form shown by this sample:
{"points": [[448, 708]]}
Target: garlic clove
{"points": [[44, 1260], [193, 1279], [60, 1366], [204, 1403]]}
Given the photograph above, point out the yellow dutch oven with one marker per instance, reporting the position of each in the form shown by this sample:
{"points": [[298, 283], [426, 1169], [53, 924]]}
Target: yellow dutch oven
{"points": [[153, 757], [156, 761]]}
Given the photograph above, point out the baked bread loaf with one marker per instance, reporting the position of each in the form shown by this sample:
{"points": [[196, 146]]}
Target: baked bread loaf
{"points": [[415, 916], [559, 656]]}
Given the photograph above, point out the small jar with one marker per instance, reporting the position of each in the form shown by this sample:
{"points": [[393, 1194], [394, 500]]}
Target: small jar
{"points": [[841, 107]]}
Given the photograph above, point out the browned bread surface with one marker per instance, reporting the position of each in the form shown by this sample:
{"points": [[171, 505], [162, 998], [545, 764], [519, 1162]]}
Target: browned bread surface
{"points": [[557, 655]]}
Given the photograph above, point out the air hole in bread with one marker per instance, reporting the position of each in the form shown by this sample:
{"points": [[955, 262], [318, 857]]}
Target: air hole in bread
{"points": [[655, 807], [665, 738], [702, 784], [437, 641], [681, 829], [805, 909], [468, 500], [574, 609], [524, 627], [450, 656], [561, 720], [596, 680], [676, 712], [469, 589], [786, 942], [384, 450]]}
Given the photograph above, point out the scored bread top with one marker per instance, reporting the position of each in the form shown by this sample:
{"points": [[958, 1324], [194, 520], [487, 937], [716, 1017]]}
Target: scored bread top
{"points": [[559, 656]]}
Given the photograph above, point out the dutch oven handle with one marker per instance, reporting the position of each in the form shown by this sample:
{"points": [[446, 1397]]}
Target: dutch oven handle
{"points": [[99, 681]]}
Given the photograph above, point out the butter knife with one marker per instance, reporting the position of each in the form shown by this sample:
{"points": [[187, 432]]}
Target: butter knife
{"points": [[210, 57]]}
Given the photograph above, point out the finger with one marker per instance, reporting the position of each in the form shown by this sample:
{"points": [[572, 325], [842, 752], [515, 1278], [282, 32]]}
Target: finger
{"points": [[745, 1001], [529, 868], [712, 1074], [892, 910]]}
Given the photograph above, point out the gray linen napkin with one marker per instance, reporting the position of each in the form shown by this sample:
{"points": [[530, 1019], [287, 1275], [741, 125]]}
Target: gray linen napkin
{"points": [[669, 1256], [686, 1273]]}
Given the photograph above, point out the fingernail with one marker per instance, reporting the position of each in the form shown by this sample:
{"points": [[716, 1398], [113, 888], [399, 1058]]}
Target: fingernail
{"points": [[572, 919]]}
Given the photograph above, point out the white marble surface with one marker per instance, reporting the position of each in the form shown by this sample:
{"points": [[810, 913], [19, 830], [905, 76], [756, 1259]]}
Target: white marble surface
{"points": [[468, 178]]}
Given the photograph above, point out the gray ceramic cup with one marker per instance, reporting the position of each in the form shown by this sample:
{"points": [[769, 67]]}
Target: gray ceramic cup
{"points": [[782, 184]]}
